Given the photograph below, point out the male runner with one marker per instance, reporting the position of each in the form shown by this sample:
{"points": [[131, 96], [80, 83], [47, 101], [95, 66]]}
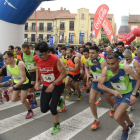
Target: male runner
{"points": [[134, 64], [52, 72], [118, 74], [74, 74], [21, 82], [27, 57], [97, 64]]}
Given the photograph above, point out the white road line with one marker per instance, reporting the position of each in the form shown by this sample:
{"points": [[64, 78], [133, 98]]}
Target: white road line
{"points": [[135, 135], [18, 120], [71, 126], [10, 104]]}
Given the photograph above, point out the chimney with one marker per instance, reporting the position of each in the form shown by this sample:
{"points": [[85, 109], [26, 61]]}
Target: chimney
{"points": [[42, 9], [64, 8], [61, 9], [48, 10]]}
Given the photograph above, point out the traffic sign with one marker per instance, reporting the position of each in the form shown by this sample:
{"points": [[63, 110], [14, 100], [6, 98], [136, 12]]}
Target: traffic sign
{"points": [[51, 40]]}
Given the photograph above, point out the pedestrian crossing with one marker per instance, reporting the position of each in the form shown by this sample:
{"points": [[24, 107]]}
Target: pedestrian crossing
{"points": [[75, 123]]}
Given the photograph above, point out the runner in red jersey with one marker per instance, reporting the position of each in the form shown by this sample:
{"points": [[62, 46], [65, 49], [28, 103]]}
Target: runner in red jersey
{"points": [[52, 71]]}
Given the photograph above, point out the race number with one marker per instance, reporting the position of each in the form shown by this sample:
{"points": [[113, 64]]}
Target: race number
{"points": [[96, 76], [18, 78], [48, 78], [118, 86]]}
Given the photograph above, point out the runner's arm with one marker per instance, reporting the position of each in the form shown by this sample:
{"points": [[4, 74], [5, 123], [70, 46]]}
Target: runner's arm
{"points": [[21, 67], [32, 69], [137, 67], [121, 62], [37, 75], [62, 70], [135, 76], [76, 60]]}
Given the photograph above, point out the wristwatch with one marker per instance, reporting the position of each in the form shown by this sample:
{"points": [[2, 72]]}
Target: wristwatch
{"points": [[133, 93], [54, 84]]}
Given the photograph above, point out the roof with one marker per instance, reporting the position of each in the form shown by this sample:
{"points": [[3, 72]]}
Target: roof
{"points": [[47, 14], [134, 18], [109, 16]]}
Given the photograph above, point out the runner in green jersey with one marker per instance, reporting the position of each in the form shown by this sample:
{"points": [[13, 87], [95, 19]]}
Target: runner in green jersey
{"points": [[118, 74], [20, 78], [30, 63], [97, 64]]}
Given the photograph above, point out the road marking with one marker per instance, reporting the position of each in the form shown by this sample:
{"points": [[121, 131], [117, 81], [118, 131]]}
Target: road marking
{"points": [[18, 120], [135, 135], [71, 126], [10, 104]]}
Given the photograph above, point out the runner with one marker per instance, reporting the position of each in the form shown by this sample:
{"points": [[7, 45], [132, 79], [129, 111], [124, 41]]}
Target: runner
{"points": [[83, 63], [97, 64], [21, 83], [138, 56], [18, 52], [134, 64], [118, 75], [74, 74], [30, 63], [52, 72]]}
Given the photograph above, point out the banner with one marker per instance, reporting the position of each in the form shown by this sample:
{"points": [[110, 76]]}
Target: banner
{"points": [[98, 20], [108, 30]]}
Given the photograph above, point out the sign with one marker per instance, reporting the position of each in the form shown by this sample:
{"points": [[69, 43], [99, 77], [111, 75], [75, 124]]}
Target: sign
{"points": [[51, 40]]}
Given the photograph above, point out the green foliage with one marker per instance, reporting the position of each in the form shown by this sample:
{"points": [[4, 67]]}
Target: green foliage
{"points": [[103, 40], [136, 43]]}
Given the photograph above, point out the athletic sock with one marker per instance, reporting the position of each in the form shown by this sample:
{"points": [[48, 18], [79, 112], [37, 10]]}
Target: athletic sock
{"points": [[125, 129], [130, 124], [30, 110], [100, 99], [97, 119]]}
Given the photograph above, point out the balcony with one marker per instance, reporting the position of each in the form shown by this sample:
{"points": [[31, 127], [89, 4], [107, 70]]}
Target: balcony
{"points": [[48, 29], [62, 28], [61, 41], [71, 29], [32, 29], [26, 29]]}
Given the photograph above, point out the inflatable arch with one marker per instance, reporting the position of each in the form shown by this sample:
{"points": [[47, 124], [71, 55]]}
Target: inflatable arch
{"points": [[13, 16], [131, 36]]}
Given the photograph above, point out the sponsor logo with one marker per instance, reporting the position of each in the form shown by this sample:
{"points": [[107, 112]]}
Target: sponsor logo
{"points": [[46, 69], [6, 1], [131, 35], [121, 77], [127, 99], [106, 28]]}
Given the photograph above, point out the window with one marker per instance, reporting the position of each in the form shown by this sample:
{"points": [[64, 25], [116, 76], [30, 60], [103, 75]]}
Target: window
{"points": [[102, 29], [41, 26], [26, 26], [33, 27], [103, 35], [81, 39], [32, 37], [49, 26], [91, 25], [62, 25], [133, 26], [71, 27], [26, 37], [48, 37], [61, 35], [71, 37], [40, 37]]}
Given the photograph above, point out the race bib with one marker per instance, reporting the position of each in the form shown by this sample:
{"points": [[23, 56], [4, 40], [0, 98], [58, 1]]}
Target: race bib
{"points": [[48, 78], [18, 78], [30, 65], [96, 76], [118, 86]]}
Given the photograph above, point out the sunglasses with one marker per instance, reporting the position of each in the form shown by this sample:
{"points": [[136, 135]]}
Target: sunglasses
{"points": [[40, 54], [26, 51]]}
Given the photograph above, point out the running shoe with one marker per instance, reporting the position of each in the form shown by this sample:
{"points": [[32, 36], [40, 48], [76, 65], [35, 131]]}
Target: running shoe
{"points": [[129, 108], [60, 111], [125, 134], [95, 124], [87, 91], [84, 87], [69, 95], [112, 112], [6, 95], [1, 102], [55, 129], [132, 126], [29, 114], [61, 105], [98, 102], [37, 93], [79, 98], [34, 105]]}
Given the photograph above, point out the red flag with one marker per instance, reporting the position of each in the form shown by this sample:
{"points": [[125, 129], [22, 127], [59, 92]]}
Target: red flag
{"points": [[98, 20], [108, 30], [36, 26]]}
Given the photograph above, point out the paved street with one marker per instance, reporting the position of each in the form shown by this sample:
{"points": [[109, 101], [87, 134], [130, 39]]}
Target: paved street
{"points": [[75, 122]]}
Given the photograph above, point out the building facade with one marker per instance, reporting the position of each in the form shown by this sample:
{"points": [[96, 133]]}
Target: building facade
{"points": [[134, 22], [65, 27]]}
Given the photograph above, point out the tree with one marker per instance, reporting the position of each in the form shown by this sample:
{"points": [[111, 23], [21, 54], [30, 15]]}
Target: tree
{"points": [[103, 40], [136, 43]]}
